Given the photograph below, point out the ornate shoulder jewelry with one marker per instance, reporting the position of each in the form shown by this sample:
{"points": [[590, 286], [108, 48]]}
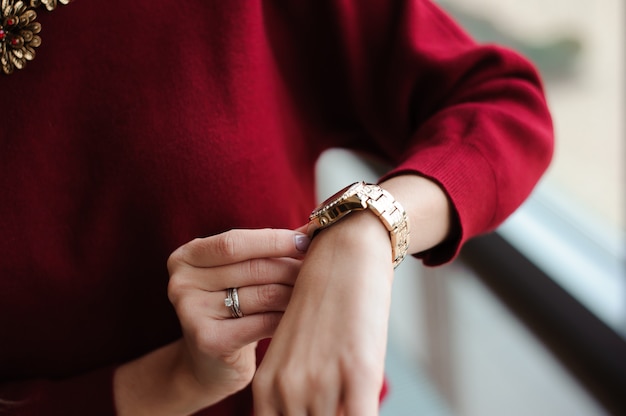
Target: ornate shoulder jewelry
{"points": [[19, 32]]}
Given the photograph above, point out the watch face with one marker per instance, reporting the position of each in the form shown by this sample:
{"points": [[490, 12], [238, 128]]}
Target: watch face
{"points": [[336, 206], [339, 194]]}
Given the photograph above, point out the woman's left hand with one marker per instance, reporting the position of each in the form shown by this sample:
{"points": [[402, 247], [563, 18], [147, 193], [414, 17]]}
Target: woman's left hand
{"points": [[327, 355]]}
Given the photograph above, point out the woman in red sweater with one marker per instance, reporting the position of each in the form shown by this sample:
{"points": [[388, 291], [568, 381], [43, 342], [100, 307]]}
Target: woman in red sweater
{"points": [[135, 128]]}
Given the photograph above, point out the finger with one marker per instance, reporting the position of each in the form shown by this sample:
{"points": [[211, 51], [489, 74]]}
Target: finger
{"points": [[226, 340], [248, 273], [252, 300], [237, 333], [315, 394], [218, 336], [361, 398], [254, 272], [326, 398], [298, 392], [240, 245]]}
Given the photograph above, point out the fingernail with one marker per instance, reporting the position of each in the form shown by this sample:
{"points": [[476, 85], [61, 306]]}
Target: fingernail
{"points": [[302, 242]]}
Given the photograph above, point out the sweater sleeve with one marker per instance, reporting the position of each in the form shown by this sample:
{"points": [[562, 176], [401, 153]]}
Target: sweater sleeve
{"points": [[401, 80], [89, 394], [482, 127]]}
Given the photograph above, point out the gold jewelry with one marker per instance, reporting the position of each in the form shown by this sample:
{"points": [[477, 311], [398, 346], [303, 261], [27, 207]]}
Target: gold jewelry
{"points": [[360, 196], [19, 32]]}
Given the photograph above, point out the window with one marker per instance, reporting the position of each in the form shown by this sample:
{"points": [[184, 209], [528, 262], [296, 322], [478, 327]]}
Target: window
{"points": [[573, 226]]}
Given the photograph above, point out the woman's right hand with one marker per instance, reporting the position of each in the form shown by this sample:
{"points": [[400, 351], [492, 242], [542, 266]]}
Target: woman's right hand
{"points": [[216, 356]]}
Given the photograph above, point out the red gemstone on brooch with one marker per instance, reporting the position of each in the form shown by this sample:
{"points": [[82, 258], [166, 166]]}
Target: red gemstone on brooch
{"points": [[19, 31]]}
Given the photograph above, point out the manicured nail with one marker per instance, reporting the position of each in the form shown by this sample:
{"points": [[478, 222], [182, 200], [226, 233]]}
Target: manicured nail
{"points": [[302, 242]]}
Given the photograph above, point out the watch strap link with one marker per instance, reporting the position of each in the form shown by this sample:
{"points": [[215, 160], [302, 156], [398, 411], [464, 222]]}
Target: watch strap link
{"points": [[394, 218]]}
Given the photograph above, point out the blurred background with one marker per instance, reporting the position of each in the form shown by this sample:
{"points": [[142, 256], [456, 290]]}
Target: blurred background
{"points": [[532, 319]]}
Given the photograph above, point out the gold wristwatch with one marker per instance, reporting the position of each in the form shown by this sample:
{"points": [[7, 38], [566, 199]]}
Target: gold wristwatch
{"points": [[360, 196]]}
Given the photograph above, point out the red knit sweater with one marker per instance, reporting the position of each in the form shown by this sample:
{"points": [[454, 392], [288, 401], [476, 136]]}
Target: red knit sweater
{"points": [[141, 125]]}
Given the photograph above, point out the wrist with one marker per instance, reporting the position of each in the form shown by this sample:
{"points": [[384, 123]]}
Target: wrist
{"points": [[358, 197], [356, 246], [428, 207]]}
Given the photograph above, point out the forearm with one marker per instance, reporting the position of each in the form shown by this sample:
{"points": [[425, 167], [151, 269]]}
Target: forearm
{"points": [[332, 337], [155, 384]]}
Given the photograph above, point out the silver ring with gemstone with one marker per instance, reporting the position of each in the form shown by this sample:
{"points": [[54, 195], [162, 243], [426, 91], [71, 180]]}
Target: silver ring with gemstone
{"points": [[232, 302]]}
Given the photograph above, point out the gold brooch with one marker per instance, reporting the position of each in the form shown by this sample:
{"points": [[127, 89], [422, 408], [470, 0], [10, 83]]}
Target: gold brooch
{"points": [[19, 32]]}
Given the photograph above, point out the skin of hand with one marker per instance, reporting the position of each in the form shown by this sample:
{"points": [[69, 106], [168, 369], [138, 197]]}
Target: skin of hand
{"points": [[327, 354], [216, 356]]}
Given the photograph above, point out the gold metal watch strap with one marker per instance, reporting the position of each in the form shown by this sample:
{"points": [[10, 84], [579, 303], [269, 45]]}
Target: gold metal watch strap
{"points": [[393, 216]]}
